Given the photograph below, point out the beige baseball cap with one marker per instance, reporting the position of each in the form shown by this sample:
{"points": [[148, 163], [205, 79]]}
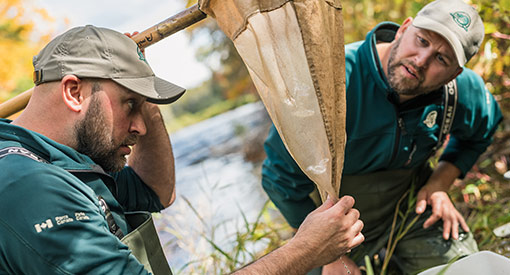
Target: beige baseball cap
{"points": [[457, 22], [94, 52]]}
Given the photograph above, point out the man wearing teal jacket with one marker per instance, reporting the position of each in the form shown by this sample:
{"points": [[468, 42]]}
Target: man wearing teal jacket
{"points": [[68, 203], [395, 109], [65, 192]]}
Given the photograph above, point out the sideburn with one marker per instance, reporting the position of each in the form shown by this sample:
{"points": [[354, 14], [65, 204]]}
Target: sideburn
{"points": [[93, 139]]}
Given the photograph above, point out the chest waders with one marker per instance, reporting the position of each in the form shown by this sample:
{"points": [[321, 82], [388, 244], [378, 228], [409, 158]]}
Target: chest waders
{"points": [[143, 240], [144, 243], [377, 193]]}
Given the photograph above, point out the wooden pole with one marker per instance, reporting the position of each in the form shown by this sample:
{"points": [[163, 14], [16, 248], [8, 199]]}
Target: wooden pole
{"points": [[169, 26], [15, 104], [144, 39]]}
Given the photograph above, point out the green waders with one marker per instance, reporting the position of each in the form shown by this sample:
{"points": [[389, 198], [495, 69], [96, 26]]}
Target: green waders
{"points": [[144, 243], [376, 196]]}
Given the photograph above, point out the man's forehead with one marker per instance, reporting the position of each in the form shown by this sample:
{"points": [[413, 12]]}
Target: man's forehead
{"points": [[126, 93]]}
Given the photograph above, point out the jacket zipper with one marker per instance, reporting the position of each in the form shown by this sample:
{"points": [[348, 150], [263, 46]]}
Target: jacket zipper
{"points": [[397, 142], [401, 130], [413, 150]]}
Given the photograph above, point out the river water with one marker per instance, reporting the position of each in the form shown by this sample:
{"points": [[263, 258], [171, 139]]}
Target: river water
{"points": [[215, 183]]}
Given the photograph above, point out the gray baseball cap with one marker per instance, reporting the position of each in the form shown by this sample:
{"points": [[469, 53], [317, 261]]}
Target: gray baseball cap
{"points": [[93, 52], [457, 22]]}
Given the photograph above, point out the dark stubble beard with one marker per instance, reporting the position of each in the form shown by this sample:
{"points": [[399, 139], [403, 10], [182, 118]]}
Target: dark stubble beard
{"points": [[94, 141], [402, 85]]}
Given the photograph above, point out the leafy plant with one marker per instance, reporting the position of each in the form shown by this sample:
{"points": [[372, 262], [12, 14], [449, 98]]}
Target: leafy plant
{"points": [[403, 228]]}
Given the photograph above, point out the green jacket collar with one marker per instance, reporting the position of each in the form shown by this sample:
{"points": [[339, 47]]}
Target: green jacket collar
{"points": [[53, 152], [383, 32]]}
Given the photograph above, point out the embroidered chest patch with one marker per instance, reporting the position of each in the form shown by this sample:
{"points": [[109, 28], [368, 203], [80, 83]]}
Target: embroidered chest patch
{"points": [[430, 121]]}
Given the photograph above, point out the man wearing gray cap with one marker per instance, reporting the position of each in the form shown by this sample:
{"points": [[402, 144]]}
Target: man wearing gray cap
{"points": [[68, 203], [407, 89]]}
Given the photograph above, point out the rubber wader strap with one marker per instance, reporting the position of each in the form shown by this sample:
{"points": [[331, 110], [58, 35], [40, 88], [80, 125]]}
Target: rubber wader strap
{"points": [[112, 225], [144, 243]]}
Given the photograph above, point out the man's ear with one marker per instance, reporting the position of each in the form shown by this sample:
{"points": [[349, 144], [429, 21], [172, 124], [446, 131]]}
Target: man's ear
{"points": [[407, 22], [72, 92]]}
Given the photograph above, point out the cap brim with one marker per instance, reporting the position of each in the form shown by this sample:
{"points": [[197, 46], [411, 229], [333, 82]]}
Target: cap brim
{"points": [[431, 25], [155, 89]]}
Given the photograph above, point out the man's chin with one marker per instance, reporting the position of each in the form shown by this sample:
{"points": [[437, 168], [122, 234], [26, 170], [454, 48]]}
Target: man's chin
{"points": [[114, 166]]}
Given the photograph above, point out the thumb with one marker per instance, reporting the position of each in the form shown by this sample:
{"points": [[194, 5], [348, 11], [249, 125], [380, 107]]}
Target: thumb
{"points": [[344, 204], [328, 203]]}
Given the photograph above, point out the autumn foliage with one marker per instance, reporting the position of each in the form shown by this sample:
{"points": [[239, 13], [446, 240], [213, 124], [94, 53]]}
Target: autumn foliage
{"points": [[19, 41]]}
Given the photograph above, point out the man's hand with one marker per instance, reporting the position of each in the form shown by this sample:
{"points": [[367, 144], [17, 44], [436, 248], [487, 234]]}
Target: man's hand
{"points": [[330, 231], [434, 193], [130, 35], [326, 234]]}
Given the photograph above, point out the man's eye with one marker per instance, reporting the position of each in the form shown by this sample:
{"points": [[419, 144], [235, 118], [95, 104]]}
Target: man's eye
{"points": [[441, 59], [421, 40], [131, 104]]}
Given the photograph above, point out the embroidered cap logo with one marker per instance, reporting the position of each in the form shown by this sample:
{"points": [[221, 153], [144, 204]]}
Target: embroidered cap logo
{"points": [[462, 19], [140, 55]]}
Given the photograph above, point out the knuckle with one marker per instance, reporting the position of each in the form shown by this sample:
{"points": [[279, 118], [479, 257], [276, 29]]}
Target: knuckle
{"points": [[353, 215], [347, 201], [361, 225]]}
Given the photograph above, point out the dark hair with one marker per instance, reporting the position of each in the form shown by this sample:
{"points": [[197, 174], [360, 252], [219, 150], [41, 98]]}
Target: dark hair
{"points": [[96, 86], [95, 82]]}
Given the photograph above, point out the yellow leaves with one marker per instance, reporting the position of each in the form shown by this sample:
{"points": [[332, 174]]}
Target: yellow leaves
{"points": [[505, 4], [44, 14], [490, 27], [15, 64], [19, 42]]}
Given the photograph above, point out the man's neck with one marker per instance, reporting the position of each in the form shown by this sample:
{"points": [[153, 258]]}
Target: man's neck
{"points": [[46, 121], [383, 52]]}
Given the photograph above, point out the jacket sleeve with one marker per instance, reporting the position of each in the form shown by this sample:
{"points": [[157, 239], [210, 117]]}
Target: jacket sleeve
{"points": [[284, 182], [133, 194], [476, 119], [52, 224]]}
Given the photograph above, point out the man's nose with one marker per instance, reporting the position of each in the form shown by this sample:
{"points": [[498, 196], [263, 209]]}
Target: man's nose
{"points": [[422, 59], [138, 125]]}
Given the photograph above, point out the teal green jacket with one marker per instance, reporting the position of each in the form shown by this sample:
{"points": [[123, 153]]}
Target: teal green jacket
{"points": [[375, 141], [51, 221]]}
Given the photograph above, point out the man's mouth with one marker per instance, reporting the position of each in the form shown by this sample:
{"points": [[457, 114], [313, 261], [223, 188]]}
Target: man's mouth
{"points": [[127, 145], [126, 148], [411, 71]]}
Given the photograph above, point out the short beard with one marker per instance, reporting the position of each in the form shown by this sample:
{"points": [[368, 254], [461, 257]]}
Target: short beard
{"points": [[94, 140], [403, 86]]}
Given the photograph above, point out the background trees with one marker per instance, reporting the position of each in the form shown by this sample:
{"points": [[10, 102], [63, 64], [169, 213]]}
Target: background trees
{"points": [[18, 42]]}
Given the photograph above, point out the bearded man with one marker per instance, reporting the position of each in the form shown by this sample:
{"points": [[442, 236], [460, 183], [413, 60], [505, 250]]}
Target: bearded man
{"points": [[406, 89], [68, 203]]}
